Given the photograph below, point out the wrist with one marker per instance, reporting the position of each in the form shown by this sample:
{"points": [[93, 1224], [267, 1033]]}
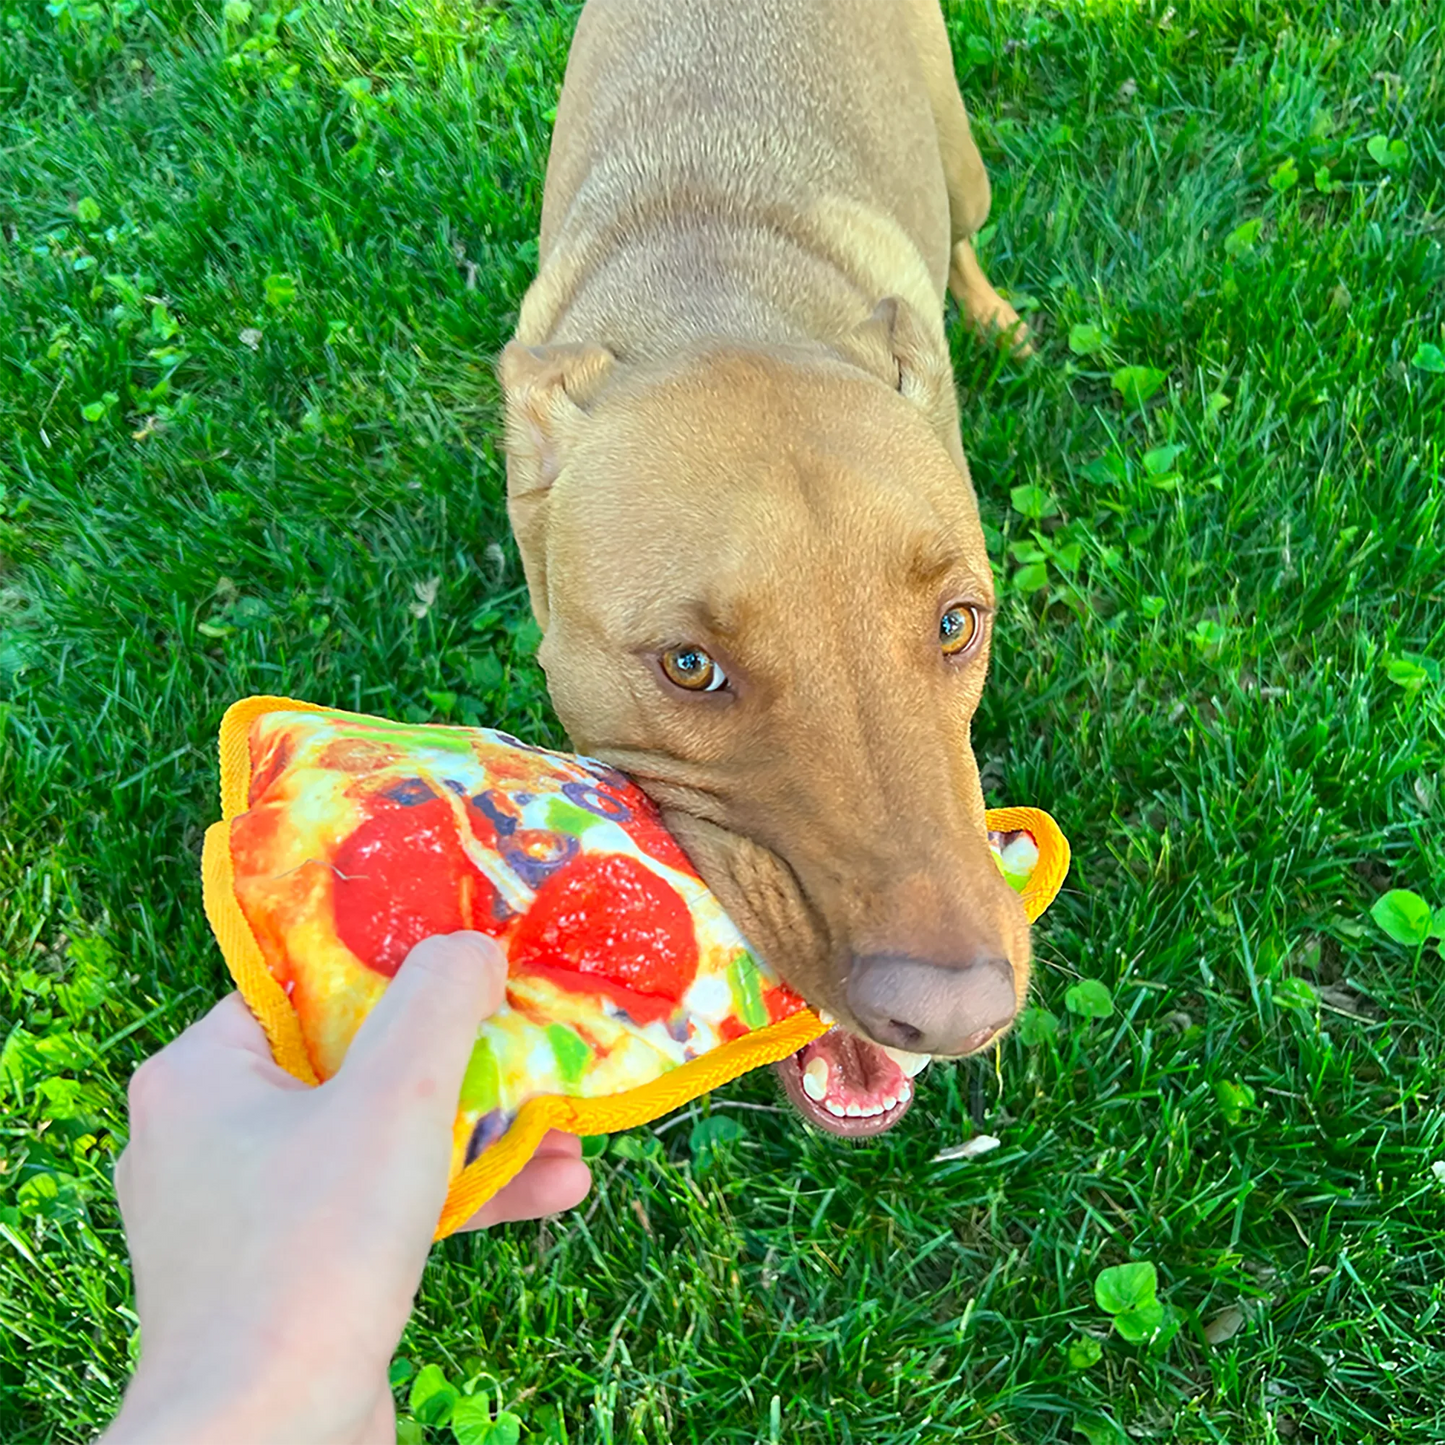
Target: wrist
{"points": [[165, 1409]]}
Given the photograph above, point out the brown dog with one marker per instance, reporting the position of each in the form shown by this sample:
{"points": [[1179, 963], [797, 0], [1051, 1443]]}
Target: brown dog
{"points": [[736, 478]]}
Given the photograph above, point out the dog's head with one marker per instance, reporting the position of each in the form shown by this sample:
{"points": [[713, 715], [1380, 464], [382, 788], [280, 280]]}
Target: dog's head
{"points": [[764, 594]]}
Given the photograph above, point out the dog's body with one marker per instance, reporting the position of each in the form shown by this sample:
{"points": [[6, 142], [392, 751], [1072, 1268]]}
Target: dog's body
{"points": [[734, 460], [762, 173]]}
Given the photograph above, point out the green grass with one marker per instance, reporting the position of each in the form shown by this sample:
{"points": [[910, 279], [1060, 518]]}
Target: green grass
{"points": [[293, 484]]}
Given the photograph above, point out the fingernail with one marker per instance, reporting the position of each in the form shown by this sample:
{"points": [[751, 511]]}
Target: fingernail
{"points": [[480, 945]]}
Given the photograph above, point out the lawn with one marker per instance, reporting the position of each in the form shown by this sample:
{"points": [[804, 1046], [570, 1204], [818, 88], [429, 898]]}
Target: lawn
{"points": [[254, 267]]}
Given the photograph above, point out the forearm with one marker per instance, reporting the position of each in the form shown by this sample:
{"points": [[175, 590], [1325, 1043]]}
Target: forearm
{"points": [[185, 1412]]}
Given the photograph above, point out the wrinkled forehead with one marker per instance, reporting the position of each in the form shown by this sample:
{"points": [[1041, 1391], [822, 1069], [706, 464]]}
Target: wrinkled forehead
{"points": [[718, 473]]}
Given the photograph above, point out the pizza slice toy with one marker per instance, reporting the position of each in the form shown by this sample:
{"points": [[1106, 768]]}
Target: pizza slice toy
{"points": [[345, 840]]}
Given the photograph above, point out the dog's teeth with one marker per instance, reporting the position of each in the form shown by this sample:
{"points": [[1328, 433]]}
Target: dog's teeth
{"points": [[872, 1111], [889, 1102], [911, 1064], [825, 1017], [854, 1111], [815, 1079], [834, 1108], [906, 1092]]}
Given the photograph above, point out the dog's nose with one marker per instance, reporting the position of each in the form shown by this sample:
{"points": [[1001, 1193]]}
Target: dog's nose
{"points": [[928, 1008]]}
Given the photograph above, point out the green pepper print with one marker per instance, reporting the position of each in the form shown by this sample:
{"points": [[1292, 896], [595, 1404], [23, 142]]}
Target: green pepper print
{"points": [[565, 817], [415, 736], [747, 990], [571, 1053], [481, 1084]]}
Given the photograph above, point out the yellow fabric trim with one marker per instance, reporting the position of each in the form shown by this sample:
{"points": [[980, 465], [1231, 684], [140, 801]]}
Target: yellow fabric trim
{"points": [[243, 957], [1054, 853], [236, 745], [503, 1161]]}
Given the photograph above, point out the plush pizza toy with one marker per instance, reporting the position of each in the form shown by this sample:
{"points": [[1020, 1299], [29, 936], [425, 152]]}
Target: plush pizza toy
{"points": [[347, 839]]}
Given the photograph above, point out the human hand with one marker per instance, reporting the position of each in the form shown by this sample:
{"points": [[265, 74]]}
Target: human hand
{"points": [[278, 1232]]}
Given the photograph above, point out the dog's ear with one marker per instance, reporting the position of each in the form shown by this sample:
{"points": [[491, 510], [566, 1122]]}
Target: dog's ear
{"points": [[894, 345], [547, 390]]}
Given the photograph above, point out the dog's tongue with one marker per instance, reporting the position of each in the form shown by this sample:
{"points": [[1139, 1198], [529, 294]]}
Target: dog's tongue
{"points": [[849, 1086]]}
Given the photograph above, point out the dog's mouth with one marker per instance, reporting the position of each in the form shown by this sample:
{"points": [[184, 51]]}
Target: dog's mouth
{"points": [[849, 1086], [855, 1088]]}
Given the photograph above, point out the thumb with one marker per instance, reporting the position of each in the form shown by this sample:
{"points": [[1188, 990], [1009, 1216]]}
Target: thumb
{"points": [[417, 1039]]}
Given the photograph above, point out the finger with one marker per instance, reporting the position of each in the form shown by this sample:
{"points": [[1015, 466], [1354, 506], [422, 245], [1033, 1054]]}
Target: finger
{"points": [[557, 1143], [416, 1041], [548, 1185], [225, 1044], [230, 1024]]}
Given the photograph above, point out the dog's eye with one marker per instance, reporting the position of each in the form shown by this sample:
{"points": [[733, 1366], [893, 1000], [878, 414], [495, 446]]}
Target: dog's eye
{"points": [[693, 669], [958, 629]]}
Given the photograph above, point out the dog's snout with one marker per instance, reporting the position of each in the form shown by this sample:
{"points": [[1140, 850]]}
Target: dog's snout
{"points": [[932, 1008]]}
